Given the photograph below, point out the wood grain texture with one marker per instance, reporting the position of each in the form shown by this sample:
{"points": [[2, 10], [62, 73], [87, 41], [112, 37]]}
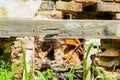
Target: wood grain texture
{"points": [[104, 29]]}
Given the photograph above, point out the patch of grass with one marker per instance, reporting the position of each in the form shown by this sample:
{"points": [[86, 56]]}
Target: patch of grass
{"points": [[40, 76], [93, 68], [71, 74], [45, 75], [87, 69], [5, 71], [50, 74]]}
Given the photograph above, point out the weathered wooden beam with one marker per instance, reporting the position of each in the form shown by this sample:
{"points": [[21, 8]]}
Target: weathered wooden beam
{"points": [[104, 29]]}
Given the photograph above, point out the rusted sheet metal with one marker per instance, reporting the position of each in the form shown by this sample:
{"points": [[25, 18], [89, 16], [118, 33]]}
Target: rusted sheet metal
{"points": [[104, 29]]}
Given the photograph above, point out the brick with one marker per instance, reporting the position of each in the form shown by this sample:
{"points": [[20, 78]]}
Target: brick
{"points": [[50, 14], [106, 43], [117, 15], [117, 0], [69, 6], [110, 43], [87, 1], [108, 0], [47, 5], [116, 43], [108, 7]]}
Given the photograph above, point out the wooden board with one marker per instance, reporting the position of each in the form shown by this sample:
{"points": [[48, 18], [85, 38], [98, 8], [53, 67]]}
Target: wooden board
{"points": [[104, 29]]}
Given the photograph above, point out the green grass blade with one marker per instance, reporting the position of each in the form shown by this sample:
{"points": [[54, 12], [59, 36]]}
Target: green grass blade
{"points": [[50, 73], [99, 73], [85, 60], [32, 72], [87, 70], [98, 49], [86, 57], [25, 64], [71, 73], [41, 75], [92, 74]]}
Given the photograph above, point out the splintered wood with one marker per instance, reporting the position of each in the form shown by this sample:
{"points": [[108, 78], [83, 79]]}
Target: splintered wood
{"points": [[70, 51], [72, 54], [57, 53]]}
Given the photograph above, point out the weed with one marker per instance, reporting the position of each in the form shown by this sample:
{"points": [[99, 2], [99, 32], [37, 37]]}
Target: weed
{"points": [[26, 76], [94, 69], [103, 77], [71, 73], [40, 76], [50, 74], [45, 75], [85, 68], [5, 71], [32, 72], [24, 63], [100, 75]]}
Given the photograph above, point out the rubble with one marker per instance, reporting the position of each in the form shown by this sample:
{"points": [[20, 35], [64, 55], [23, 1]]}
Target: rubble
{"points": [[60, 55], [108, 62]]}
